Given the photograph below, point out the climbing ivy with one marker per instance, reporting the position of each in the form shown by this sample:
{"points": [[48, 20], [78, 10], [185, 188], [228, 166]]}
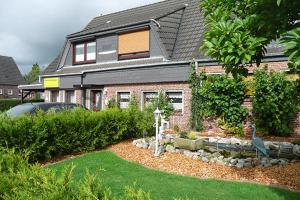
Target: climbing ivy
{"points": [[217, 96]]}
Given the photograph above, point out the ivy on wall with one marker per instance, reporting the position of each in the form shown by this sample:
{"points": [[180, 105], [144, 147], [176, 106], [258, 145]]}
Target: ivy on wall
{"points": [[218, 96]]}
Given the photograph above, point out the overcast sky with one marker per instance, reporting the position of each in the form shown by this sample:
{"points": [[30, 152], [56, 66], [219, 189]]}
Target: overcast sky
{"points": [[33, 31]]}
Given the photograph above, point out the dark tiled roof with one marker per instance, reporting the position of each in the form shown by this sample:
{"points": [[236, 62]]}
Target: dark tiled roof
{"points": [[9, 72], [52, 67], [130, 16], [181, 31]]}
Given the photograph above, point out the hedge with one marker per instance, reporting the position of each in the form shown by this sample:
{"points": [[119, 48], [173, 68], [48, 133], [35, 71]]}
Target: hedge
{"points": [[6, 104], [55, 134]]}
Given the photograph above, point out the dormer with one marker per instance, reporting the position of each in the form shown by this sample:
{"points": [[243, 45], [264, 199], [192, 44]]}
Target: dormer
{"points": [[130, 35]]}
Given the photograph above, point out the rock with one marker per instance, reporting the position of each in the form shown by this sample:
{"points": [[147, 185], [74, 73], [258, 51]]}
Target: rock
{"points": [[256, 161], [212, 139], [235, 141], [241, 161], [145, 145], [179, 150], [188, 153], [220, 162], [248, 160], [213, 160], [151, 145], [239, 165], [224, 140], [139, 145], [296, 150], [188, 144], [247, 164], [274, 161], [216, 154], [220, 157], [170, 148], [135, 142], [283, 161], [204, 159], [212, 149], [267, 165], [233, 161]]}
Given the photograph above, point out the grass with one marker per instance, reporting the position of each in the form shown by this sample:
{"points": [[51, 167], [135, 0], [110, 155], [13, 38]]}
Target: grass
{"points": [[117, 173]]}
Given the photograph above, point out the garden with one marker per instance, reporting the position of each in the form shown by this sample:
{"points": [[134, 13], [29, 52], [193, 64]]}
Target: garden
{"points": [[231, 151]]}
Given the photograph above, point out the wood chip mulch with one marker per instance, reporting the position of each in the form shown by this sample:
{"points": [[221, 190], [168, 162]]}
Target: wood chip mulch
{"points": [[286, 177]]}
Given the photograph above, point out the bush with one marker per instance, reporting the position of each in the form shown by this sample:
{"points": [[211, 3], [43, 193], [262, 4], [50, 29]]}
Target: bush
{"points": [[218, 96], [20, 180], [54, 134], [275, 102], [6, 104]]}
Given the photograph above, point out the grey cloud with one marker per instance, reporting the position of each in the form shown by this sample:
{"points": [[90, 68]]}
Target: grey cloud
{"points": [[34, 30]]}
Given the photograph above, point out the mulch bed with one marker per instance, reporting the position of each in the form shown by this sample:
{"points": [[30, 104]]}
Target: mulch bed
{"points": [[287, 176]]}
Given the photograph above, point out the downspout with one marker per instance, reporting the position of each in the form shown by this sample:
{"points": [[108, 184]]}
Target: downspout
{"points": [[83, 91]]}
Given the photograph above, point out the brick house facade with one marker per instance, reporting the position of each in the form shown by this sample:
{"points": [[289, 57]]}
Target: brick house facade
{"points": [[137, 52]]}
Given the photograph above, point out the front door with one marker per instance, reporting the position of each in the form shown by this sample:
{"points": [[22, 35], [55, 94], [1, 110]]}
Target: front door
{"points": [[96, 100]]}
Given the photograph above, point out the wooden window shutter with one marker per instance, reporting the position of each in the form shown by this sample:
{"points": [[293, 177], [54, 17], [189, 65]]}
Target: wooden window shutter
{"points": [[134, 42]]}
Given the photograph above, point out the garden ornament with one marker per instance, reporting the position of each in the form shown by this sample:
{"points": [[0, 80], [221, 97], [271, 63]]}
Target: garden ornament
{"points": [[258, 143]]}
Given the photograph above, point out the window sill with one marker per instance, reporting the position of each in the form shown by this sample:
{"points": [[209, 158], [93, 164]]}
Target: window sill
{"points": [[85, 62], [134, 56]]}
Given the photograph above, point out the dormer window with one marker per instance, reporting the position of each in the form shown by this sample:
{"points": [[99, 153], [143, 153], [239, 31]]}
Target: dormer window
{"points": [[135, 44], [85, 53]]}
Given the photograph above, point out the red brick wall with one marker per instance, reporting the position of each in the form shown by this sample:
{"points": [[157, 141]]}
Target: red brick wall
{"points": [[181, 119]]}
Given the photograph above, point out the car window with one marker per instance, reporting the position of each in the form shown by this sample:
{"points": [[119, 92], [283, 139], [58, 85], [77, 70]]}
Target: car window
{"points": [[20, 110]]}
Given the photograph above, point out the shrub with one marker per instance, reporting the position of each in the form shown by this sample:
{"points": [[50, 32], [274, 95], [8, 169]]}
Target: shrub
{"points": [[275, 102], [6, 104], [218, 96], [20, 180], [55, 134]]}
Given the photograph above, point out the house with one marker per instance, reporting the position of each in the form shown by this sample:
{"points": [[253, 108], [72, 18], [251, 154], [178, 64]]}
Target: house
{"points": [[10, 78], [139, 52]]}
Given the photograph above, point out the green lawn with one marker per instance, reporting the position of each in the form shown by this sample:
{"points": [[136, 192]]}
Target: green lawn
{"points": [[118, 173]]}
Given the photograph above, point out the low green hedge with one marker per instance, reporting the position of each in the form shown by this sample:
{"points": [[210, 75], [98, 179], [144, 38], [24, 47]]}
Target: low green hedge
{"points": [[6, 104], [55, 134]]}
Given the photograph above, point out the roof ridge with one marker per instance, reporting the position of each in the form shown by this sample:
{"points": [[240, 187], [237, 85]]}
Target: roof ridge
{"points": [[115, 13]]}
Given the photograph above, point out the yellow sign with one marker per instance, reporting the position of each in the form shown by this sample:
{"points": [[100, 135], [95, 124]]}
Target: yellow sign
{"points": [[51, 82]]}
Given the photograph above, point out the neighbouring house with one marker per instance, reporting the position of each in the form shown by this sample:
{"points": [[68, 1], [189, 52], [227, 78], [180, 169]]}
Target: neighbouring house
{"points": [[10, 78], [140, 52]]}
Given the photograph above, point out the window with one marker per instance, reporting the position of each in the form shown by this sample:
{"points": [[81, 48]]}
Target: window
{"points": [[176, 100], [1, 91], [85, 53], [148, 97], [10, 92], [70, 96], [123, 99], [134, 45], [54, 96]]}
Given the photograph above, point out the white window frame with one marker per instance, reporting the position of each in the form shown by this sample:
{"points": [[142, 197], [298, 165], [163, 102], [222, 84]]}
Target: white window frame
{"points": [[1, 91], [10, 92], [117, 99], [183, 99], [143, 96], [65, 96]]}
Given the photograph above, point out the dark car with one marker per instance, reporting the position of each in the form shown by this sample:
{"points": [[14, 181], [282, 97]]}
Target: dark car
{"points": [[32, 108]]}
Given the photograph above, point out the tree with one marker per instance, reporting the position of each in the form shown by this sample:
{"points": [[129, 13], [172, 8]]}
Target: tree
{"points": [[239, 30], [33, 75]]}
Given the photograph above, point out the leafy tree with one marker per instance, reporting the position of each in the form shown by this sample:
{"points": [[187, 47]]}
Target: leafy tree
{"points": [[239, 30], [33, 75], [291, 40]]}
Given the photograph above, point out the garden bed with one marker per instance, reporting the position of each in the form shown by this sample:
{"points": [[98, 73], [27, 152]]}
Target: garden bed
{"points": [[287, 176]]}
